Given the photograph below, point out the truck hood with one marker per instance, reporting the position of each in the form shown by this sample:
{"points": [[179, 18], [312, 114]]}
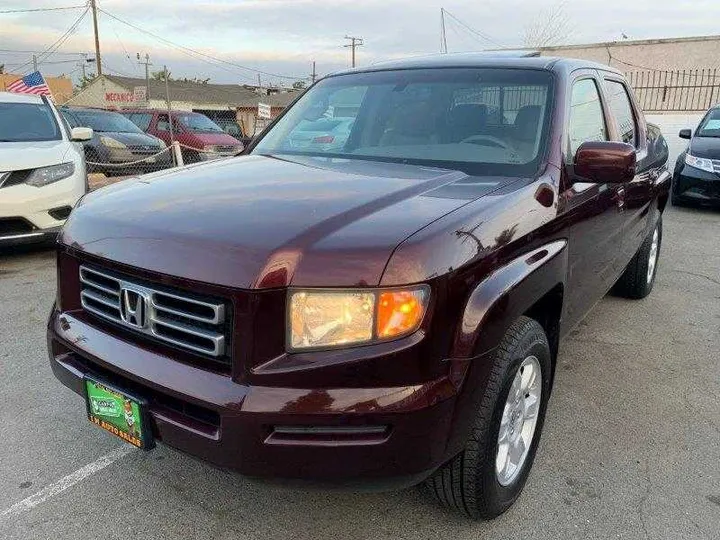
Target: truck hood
{"points": [[265, 222], [16, 156]]}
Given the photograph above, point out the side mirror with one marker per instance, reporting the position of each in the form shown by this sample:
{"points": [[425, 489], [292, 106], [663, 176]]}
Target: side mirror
{"points": [[605, 162], [685, 134], [80, 134]]}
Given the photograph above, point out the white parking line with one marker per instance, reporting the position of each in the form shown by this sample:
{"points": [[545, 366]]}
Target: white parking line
{"points": [[68, 481]]}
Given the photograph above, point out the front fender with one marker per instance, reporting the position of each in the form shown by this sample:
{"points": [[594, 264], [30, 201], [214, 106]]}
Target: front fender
{"points": [[506, 294]]}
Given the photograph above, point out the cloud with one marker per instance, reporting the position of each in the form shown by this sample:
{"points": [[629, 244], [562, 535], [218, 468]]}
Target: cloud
{"points": [[285, 36]]}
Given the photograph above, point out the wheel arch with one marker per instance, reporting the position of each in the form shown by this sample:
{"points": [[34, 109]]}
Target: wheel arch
{"points": [[527, 285]]}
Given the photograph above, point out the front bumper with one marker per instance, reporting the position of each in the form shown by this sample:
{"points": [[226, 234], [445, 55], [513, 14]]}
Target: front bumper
{"points": [[381, 437], [33, 237], [695, 186]]}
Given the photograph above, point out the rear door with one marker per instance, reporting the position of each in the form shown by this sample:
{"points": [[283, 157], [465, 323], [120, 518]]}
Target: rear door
{"points": [[590, 210], [628, 126]]}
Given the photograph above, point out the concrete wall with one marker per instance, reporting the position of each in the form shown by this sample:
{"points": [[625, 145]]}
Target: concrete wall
{"points": [[659, 54]]}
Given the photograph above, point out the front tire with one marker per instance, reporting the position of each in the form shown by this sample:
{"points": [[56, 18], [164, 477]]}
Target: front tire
{"points": [[486, 478], [638, 278]]}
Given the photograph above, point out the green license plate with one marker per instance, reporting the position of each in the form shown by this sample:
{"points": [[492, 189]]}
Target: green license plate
{"points": [[119, 413]]}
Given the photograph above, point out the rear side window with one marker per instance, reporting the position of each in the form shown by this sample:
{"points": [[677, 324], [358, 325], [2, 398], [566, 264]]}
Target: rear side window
{"points": [[21, 122], [622, 111], [587, 122], [163, 124]]}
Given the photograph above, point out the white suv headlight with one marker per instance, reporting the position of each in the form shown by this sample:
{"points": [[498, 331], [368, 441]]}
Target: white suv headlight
{"points": [[47, 175], [323, 319], [699, 163]]}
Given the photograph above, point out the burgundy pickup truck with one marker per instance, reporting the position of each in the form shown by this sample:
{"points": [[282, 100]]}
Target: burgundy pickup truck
{"points": [[385, 311]]}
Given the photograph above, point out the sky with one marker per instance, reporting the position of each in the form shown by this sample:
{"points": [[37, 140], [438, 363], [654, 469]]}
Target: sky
{"points": [[281, 38]]}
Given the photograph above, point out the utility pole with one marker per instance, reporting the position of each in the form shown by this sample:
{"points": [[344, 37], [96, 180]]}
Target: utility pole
{"points": [[443, 35], [98, 62], [82, 65], [354, 42], [147, 65], [313, 75], [34, 63], [169, 104]]}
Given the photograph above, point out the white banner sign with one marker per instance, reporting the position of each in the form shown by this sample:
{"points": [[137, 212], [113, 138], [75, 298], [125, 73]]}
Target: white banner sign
{"points": [[264, 111], [140, 93]]}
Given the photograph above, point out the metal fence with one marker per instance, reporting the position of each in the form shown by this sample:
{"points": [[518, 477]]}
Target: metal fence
{"points": [[134, 136], [676, 91]]}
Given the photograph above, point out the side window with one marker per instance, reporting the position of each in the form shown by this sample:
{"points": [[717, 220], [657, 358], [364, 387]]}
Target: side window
{"points": [[69, 119], [622, 111], [587, 122], [162, 123]]}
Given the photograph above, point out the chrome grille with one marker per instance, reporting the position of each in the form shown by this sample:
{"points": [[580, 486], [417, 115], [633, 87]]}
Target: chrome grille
{"points": [[185, 322]]}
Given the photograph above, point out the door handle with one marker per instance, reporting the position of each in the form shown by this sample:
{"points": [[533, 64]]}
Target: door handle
{"points": [[620, 198]]}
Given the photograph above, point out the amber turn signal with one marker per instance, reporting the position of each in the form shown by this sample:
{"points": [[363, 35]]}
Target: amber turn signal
{"points": [[400, 312]]}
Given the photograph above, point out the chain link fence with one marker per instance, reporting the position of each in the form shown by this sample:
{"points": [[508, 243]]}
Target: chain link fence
{"points": [[134, 134]]}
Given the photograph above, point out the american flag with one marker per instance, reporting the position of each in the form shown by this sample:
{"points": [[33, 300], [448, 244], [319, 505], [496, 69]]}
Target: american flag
{"points": [[30, 84]]}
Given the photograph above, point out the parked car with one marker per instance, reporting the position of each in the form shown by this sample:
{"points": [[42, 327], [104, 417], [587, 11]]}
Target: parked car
{"points": [[118, 146], [387, 312], [201, 139], [696, 179], [42, 169]]}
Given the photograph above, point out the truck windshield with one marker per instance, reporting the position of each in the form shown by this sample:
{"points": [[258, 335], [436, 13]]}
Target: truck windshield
{"points": [[198, 123], [21, 122], [489, 120]]}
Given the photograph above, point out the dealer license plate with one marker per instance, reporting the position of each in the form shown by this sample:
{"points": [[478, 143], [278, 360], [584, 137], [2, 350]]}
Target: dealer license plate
{"points": [[119, 413]]}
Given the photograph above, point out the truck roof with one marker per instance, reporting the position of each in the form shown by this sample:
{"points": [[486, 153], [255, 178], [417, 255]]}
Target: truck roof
{"points": [[12, 97], [488, 59]]}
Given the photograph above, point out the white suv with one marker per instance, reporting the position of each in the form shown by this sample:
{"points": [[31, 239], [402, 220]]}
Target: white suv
{"points": [[42, 169]]}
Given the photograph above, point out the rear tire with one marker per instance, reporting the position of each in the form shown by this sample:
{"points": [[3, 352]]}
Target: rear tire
{"points": [[472, 482], [638, 278]]}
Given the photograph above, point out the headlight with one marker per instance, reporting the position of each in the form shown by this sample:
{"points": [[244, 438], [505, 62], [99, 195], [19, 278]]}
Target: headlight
{"points": [[47, 175], [699, 163], [111, 143], [329, 319]]}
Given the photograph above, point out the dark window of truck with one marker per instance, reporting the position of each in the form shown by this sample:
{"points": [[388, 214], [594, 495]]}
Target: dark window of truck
{"points": [[622, 111], [480, 120], [587, 122]]}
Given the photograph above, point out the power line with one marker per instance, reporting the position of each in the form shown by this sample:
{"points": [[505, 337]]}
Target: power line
{"points": [[476, 33], [354, 43], [191, 52], [34, 10], [58, 42], [35, 52]]}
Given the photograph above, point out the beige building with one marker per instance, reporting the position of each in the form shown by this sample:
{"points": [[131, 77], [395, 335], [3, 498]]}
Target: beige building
{"points": [[218, 101], [689, 53], [61, 87], [678, 75]]}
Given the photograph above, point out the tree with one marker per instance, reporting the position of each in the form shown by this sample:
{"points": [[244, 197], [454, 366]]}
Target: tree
{"points": [[2, 68], [84, 81], [550, 27], [299, 85], [160, 75]]}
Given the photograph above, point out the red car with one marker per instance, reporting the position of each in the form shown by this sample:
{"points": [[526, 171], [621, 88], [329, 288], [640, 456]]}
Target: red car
{"points": [[200, 138], [384, 312]]}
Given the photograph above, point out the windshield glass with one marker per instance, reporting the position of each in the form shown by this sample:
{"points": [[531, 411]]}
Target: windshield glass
{"points": [[492, 121], [198, 123], [104, 122], [710, 126], [27, 122]]}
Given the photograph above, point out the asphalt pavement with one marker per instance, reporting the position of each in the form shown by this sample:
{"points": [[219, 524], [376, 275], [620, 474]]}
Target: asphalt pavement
{"points": [[630, 449]]}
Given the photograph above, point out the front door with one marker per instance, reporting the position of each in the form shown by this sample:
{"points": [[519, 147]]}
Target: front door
{"points": [[590, 211]]}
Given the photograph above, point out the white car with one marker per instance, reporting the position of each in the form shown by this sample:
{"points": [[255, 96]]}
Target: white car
{"points": [[42, 169]]}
